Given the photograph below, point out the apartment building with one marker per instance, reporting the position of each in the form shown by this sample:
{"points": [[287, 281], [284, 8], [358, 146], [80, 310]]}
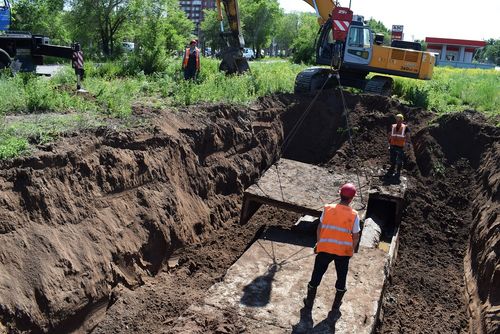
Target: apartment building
{"points": [[194, 10]]}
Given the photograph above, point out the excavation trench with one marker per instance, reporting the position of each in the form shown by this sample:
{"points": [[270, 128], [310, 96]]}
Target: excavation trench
{"points": [[120, 231]]}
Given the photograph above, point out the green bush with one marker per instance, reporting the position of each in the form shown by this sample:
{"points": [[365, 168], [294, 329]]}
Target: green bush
{"points": [[12, 146]]}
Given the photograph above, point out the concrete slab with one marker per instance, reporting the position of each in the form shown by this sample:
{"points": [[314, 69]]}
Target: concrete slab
{"points": [[299, 187], [265, 287], [389, 189]]}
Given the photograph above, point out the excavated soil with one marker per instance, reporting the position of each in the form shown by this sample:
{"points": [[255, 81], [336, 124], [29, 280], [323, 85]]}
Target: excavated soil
{"points": [[120, 231]]}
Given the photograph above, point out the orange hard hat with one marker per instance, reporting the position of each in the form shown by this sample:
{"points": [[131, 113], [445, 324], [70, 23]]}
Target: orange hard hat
{"points": [[348, 190]]}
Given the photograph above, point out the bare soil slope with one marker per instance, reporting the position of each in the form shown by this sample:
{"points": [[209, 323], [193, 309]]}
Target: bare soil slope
{"points": [[119, 232]]}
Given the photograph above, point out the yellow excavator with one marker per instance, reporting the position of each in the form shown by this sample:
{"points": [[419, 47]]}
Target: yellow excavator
{"points": [[344, 44]]}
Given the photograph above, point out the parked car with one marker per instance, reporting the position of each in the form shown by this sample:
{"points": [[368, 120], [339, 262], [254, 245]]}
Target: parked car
{"points": [[128, 46], [248, 54]]}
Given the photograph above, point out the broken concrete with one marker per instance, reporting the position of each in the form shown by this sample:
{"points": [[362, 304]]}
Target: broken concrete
{"points": [[265, 288]]}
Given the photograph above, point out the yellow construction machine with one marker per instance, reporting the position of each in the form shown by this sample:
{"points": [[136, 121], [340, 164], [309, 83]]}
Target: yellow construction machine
{"points": [[345, 45]]}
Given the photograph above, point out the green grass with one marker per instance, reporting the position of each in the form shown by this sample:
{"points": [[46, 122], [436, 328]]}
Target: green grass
{"points": [[112, 94], [12, 146], [115, 87], [454, 90]]}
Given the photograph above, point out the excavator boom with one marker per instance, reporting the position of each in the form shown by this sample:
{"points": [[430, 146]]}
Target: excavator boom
{"points": [[233, 60], [323, 9], [344, 44]]}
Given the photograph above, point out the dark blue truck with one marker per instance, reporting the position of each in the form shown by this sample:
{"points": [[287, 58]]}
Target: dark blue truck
{"points": [[4, 15]]}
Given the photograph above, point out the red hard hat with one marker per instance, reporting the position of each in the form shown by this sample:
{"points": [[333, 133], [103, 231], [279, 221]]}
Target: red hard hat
{"points": [[348, 190]]}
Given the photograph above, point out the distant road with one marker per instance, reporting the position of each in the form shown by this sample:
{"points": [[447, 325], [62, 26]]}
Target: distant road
{"points": [[48, 70]]}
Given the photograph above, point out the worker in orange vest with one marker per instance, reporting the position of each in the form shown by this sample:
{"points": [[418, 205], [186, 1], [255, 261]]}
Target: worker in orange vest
{"points": [[337, 238], [399, 138], [191, 61]]}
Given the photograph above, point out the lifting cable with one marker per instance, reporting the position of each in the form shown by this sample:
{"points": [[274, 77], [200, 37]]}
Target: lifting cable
{"points": [[300, 121], [348, 125], [296, 127]]}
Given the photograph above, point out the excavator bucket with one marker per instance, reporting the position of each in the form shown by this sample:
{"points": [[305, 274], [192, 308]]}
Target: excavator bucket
{"points": [[233, 61]]}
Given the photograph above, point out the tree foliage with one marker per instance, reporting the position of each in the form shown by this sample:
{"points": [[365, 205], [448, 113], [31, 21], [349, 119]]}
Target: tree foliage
{"points": [[102, 18], [160, 28], [41, 17], [211, 30], [286, 31], [379, 28], [259, 19], [490, 53], [178, 28], [303, 45]]}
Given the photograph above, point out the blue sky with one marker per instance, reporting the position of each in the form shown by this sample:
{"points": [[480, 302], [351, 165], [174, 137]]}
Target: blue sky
{"points": [[475, 20]]}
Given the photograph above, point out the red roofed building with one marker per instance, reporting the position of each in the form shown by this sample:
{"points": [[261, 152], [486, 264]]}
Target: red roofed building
{"points": [[454, 52]]}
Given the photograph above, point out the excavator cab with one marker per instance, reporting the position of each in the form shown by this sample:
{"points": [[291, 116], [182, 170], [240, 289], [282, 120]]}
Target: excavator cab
{"points": [[5, 15], [359, 45]]}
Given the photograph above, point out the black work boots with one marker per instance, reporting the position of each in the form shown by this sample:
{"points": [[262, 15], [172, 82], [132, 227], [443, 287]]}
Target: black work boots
{"points": [[311, 294], [334, 313]]}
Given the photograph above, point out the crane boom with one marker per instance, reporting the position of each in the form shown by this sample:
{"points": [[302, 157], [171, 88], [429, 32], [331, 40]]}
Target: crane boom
{"points": [[323, 9]]}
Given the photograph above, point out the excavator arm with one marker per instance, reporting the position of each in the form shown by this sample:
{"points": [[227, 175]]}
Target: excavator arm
{"points": [[233, 60], [232, 56]]}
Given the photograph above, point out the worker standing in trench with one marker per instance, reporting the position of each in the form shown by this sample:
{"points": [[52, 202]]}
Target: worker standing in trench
{"points": [[337, 238], [399, 138], [191, 61]]}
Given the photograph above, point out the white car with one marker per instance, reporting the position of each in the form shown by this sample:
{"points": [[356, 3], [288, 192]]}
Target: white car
{"points": [[128, 46], [248, 54]]}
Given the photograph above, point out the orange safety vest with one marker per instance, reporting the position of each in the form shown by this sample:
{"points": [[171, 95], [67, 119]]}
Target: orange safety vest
{"points": [[186, 58], [335, 235], [398, 137]]}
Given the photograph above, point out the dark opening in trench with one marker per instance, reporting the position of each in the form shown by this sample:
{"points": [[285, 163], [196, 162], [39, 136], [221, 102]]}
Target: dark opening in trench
{"points": [[385, 212]]}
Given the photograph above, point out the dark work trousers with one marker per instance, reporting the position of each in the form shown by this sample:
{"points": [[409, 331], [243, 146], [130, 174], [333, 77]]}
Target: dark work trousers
{"points": [[190, 71], [397, 155], [321, 264]]}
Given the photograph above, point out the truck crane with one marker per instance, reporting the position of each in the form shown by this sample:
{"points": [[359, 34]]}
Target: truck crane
{"points": [[23, 51], [347, 46]]}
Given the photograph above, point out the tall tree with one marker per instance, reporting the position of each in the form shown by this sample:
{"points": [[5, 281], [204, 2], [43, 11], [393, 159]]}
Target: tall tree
{"points": [[490, 53], [103, 18], [259, 19], [379, 28], [160, 27], [44, 17], [303, 44], [178, 28], [286, 31]]}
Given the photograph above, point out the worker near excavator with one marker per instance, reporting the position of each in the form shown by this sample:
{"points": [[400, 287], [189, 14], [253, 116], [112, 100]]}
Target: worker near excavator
{"points": [[191, 61], [399, 138], [337, 238]]}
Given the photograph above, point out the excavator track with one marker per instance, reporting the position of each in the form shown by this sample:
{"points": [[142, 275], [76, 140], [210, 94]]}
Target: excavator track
{"points": [[379, 85], [312, 79]]}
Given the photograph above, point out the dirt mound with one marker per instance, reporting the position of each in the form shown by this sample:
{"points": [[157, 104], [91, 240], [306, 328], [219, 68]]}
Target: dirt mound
{"points": [[106, 209], [427, 283], [120, 231]]}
